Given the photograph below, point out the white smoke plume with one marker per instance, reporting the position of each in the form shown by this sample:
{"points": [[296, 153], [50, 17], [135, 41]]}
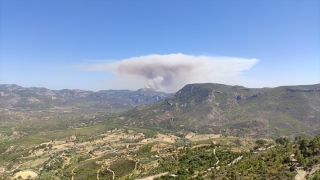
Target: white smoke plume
{"points": [[172, 71]]}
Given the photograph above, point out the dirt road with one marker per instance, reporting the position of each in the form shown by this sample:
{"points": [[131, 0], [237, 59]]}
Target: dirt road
{"points": [[154, 176]]}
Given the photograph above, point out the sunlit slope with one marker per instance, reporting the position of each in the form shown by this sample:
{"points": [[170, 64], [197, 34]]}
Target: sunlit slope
{"points": [[234, 110]]}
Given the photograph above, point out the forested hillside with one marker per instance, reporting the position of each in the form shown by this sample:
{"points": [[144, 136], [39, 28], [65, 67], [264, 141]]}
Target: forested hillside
{"points": [[266, 161]]}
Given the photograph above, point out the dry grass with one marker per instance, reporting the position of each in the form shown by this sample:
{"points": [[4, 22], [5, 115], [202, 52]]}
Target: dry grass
{"points": [[201, 137], [26, 174]]}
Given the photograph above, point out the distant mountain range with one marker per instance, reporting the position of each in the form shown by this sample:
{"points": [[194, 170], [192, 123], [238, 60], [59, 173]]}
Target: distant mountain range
{"points": [[233, 110], [203, 108], [14, 97]]}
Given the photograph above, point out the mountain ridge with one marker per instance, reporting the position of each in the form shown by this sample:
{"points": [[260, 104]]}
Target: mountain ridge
{"points": [[15, 96], [233, 110], [203, 108]]}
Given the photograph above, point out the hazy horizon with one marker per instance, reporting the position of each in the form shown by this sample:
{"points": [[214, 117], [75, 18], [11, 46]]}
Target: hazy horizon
{"points": [[147, 87]]}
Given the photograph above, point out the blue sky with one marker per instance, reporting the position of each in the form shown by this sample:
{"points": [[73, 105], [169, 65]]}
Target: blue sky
{"points": [[43, 43]]}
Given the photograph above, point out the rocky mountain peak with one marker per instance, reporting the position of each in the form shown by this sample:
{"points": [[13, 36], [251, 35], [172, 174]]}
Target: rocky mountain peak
{"points": [[10, 87]]}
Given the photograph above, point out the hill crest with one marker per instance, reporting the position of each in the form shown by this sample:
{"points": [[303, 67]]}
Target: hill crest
{"points": [[234, 110]]}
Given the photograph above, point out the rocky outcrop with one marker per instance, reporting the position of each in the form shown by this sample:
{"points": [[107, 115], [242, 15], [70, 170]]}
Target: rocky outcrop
{"points": [[214, 113], [10, 87], [230, 104], [303, 90], [254, 95], [238, 96]]}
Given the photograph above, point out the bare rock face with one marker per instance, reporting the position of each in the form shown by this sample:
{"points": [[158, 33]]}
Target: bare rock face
{"points": [[211, 96], [183, 105], [230, 104], [254, 95], [238, 96], [215, 113], [169, 102], [10, 87]]}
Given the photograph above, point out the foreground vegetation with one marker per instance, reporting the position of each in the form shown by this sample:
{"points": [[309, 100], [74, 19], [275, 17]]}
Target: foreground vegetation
{"points": [[89, 148], [278, 161], [101, 157]]}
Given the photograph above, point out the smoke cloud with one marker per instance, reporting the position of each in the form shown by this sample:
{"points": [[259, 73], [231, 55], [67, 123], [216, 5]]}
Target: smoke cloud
{"points": [[172, 71]]}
